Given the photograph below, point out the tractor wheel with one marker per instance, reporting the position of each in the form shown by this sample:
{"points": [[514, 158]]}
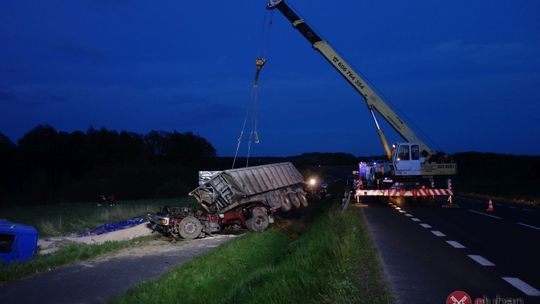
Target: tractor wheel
{"points": [[258, 222], [189, 228]]}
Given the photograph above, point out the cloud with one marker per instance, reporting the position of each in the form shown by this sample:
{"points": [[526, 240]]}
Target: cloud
{"points": [[485, 52], [30, 98], [207, 115], [73, 49], [106, 4], [501, 55], [7, 96]]}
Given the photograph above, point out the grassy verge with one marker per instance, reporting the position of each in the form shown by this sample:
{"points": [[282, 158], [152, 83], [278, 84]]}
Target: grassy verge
{"points": [[70, 254], [332, 261], [60, 219]]}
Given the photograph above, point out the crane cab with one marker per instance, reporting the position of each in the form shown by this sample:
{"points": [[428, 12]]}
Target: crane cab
{"points": [[407, 159]]}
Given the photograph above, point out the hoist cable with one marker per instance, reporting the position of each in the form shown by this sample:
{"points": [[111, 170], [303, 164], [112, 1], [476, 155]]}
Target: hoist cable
{"points": [[254, 135]]}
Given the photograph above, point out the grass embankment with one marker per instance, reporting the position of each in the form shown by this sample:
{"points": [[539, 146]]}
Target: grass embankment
{"points": [[332, 261], [60, 219], [69, 254]]}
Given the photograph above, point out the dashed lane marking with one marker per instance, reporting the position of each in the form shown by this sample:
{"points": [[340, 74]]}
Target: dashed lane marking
{"points": [[481, 260], [401, 211], [524, 287], [408, 215], [485, 214], [529, 226], [455, 244], [415, 219], [425, 225], [438, 233]]}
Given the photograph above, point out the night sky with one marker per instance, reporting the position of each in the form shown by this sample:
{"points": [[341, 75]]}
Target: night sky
{"points": [[464, 74]]}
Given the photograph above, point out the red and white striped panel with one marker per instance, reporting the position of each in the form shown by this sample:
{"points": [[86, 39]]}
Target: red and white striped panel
{"points": [[403, 192]]}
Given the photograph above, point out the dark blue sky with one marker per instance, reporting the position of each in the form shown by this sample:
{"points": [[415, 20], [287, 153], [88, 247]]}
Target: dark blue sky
{"points": [[464, 74]]}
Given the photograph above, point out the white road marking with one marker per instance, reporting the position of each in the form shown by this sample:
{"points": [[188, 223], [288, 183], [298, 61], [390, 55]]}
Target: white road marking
{"points": [[485, 214], [455, 244], [408, 214], [438, 233], [524, 287], [401, 211], [425, 225], [527, 210], [481, 260], [512, 207], [415, 219], [529, 226], [397, 208]]}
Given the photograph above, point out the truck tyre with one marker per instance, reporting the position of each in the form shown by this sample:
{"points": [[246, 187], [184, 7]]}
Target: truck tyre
{"points": [[189, 228], [258, 222], [303, 199], [294, 200], [285, 203]]}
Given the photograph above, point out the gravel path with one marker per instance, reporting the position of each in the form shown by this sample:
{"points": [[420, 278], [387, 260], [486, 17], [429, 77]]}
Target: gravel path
{"points": [[103, 278]]}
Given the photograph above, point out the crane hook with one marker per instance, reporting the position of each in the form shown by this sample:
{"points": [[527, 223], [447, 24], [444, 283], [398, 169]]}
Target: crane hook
{"points": [[259, 62]]}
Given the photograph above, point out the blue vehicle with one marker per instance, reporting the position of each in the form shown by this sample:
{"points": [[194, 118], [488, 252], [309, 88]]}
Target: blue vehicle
{"points": [[17, 242]]}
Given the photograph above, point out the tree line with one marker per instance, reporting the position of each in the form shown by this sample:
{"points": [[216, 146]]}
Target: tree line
{"points": [[46, 165]]}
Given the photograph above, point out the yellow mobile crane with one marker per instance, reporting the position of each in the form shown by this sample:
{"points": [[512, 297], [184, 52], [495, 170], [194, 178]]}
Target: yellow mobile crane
{"points": [[412, 165]]}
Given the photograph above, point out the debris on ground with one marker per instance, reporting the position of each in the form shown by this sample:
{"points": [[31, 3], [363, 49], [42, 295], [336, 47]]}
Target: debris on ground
{"points": [[53, 244]]}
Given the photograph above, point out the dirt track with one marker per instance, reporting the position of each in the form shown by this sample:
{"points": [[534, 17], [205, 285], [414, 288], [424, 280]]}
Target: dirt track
{"points": [[102, 278]]}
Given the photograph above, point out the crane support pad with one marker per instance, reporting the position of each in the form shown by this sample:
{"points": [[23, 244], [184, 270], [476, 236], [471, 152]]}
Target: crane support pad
{"points": [[403, 192]]}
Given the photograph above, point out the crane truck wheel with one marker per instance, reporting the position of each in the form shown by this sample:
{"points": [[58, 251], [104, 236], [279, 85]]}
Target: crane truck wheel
{"points": [[258, 222], [189, 228]]}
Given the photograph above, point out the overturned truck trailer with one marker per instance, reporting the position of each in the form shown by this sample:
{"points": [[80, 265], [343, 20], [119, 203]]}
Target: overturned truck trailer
{"points": [[247, 197], [251, 196], [274, 187]]}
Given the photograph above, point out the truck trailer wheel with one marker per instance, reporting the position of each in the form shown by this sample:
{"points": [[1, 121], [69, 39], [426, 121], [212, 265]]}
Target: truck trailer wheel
{"points": [[285, 203], [258, 222], [294, 200], [303, 199], [189, 228]]}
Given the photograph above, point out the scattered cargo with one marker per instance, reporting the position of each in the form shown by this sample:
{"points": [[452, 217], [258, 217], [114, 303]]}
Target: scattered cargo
{"points": [[245, 197]]}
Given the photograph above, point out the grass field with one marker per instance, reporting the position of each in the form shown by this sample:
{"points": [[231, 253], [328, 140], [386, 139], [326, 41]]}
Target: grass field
{"points": [[329, 259], [61, 219]]}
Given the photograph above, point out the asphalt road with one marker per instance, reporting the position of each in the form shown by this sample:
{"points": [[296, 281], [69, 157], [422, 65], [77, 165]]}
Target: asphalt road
{"points": [[103, 278], [429, 251]]}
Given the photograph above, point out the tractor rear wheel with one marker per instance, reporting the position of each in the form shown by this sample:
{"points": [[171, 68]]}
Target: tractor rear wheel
{"points": [[258, 222], [189, 228]]}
